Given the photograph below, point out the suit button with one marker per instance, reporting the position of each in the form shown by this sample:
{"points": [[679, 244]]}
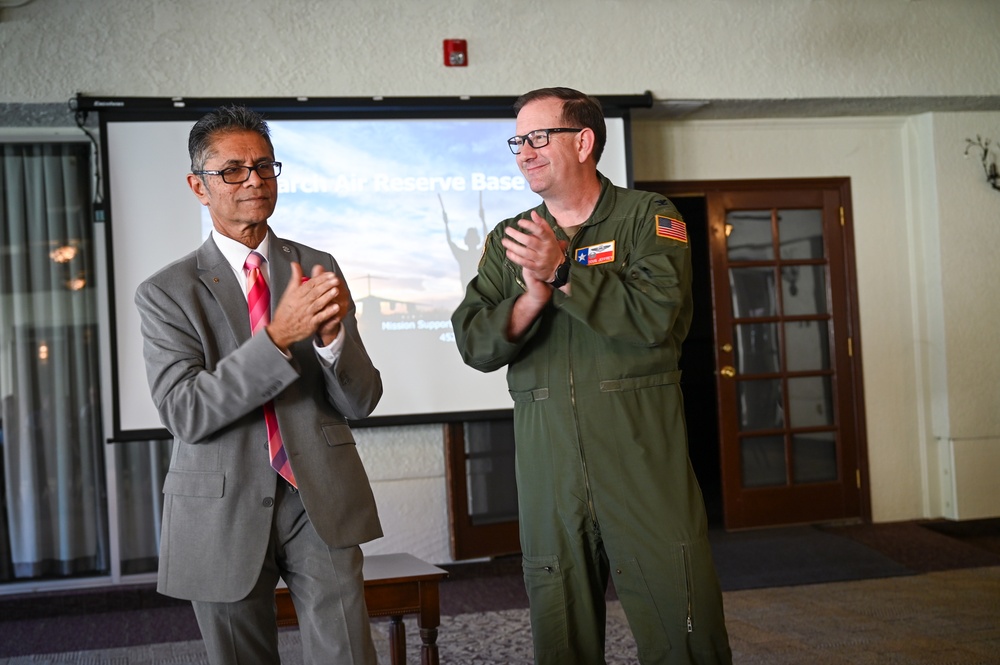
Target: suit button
{"points": [[268, 502]]}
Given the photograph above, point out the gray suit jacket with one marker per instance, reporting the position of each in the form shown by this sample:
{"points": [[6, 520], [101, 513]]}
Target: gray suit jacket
{"points": [[208, 378]]}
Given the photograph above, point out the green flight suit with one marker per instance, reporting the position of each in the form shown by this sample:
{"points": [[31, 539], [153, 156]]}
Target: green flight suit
{"points": [[604, 482]]}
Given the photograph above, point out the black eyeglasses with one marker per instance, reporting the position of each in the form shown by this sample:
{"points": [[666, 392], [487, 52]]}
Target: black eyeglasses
{"points": [[235, 175], [538, 138]]}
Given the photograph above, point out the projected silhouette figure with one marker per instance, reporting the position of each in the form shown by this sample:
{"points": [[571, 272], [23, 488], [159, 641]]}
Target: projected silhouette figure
{"points": [[468, 257]]}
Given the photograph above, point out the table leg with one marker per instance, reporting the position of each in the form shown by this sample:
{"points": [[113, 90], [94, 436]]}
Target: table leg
{"points": [[428, 620], [429, 648], [397, 640]]}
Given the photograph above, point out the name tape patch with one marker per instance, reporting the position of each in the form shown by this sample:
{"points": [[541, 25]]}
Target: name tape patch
{"points": [[597, 254]]}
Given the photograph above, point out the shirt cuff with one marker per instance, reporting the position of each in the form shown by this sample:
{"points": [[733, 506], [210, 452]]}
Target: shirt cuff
{"points": [[329, 354]]}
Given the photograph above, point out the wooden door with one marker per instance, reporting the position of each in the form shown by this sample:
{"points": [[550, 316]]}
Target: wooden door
{"points": [[787, 356]]}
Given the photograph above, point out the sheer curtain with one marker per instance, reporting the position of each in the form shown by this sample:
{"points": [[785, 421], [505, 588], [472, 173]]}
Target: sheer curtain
{"points": [[54, 521]]}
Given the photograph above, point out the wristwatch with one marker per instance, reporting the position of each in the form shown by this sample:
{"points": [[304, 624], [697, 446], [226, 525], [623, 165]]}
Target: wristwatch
{"points": [[562, 275]]}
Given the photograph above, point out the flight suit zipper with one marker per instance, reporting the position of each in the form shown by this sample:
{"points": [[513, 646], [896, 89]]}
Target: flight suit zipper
{"points": [[579, 438], [571, 251], [687, 587]]}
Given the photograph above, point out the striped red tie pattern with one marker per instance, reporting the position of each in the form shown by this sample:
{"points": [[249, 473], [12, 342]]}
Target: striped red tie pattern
{"points": [[259, 303]]}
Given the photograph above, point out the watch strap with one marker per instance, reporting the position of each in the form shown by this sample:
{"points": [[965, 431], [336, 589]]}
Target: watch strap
{"points": [[562, 275]]}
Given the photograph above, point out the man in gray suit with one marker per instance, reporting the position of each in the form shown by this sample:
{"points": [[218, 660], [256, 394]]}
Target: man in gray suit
{"points": [[232, 526]]}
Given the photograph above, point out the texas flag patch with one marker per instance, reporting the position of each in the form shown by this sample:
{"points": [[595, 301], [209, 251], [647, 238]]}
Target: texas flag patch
{"points": [[668, 227], [595, 255]]}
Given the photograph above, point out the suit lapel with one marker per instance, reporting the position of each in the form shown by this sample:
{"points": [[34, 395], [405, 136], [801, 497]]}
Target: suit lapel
{"points": [[217, 275], [281, 255]]}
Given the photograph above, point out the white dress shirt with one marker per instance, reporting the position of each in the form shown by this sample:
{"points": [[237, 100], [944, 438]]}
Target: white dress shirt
{"points": [[236, 254]]}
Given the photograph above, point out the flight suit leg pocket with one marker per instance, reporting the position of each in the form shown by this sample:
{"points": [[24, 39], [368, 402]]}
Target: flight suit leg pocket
{"points": [[543, 581], [641, 610]]}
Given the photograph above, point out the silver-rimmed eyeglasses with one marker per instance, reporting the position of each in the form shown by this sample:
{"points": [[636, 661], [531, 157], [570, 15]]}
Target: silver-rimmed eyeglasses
{"points": [[235, 175], [538, 138]]}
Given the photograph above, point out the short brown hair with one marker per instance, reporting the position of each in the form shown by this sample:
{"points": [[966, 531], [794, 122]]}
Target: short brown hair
{"points": [[579, 110]]}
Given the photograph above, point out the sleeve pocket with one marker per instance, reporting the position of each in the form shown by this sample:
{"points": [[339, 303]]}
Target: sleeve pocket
{"points": [[338, 434], [194, 483]]}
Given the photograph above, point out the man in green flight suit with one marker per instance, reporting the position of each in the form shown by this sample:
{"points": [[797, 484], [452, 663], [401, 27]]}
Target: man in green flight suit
{"points": [[586, 299]]}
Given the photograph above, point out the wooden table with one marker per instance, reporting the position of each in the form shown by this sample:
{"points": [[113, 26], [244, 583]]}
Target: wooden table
{"points": [[395, 584]]}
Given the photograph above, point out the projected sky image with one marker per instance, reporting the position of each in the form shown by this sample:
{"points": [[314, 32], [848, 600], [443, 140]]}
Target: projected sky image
{"points": [[374, 193], [376, 196]]}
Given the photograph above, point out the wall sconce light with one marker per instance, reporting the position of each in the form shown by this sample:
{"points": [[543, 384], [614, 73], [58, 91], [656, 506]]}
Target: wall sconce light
{"points": [[988, 157]]}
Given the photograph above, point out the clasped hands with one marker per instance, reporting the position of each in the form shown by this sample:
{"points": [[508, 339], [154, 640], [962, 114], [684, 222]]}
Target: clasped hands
{"points": [[536, 249], [309, 306]]}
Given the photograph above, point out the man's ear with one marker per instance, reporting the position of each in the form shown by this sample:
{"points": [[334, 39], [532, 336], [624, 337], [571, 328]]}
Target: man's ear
{"points": [[585, 144], [199, 188]]}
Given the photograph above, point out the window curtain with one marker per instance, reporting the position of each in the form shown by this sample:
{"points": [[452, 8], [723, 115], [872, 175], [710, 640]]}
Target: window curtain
{"points": [[54, 521]]}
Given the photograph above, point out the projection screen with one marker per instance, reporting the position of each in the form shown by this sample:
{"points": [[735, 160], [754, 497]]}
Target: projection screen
{"points": [[403, 200]]}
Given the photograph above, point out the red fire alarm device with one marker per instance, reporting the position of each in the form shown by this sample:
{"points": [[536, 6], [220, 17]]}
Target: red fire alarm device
{"points": [[456, 53]]}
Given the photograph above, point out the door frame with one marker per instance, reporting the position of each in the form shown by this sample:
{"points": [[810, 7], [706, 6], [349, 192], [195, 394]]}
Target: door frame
{"points": [[715, 188]]}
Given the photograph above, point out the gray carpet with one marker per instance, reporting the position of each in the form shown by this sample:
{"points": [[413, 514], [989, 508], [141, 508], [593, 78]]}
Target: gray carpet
{"points": [[484, 620], [934, 618], [507, 633]]}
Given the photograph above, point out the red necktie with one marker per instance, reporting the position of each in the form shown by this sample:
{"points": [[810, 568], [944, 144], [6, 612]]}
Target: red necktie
{"points": [[259, 303]]}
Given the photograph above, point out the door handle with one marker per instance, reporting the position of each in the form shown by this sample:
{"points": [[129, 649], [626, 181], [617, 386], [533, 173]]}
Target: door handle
{"points": [[728, 371]]}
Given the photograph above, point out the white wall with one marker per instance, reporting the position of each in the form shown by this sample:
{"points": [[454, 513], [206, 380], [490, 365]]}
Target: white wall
{"points": [[957, 223], [681, 49], [924, 226], [406, 467]]}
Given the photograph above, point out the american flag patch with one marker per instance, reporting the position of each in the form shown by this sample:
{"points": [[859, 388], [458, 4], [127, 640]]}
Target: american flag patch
{"points": [[668, 227]]}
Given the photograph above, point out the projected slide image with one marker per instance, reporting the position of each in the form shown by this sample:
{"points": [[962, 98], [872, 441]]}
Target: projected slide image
{"points": [[403, 204], [405, 207]]}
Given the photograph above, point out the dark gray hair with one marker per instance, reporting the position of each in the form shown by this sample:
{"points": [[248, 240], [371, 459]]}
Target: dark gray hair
{"points": [[579, 110], [220, 121]]}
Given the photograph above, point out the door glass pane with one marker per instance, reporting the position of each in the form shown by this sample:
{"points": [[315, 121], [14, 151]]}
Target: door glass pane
{"points": [[762, 461], [807, 346], [801, 234], [803, 290], [489, 450], [815, 457], [757, 348], [748, 235], [810, 401], [760, 404], [753, 292]]}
